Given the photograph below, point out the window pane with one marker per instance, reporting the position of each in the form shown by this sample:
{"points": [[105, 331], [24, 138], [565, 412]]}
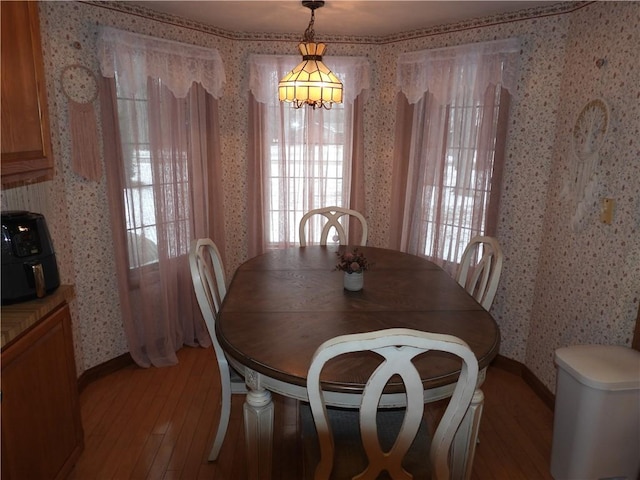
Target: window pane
{"points": [[149, 178], [466, 186], [306, 166]]}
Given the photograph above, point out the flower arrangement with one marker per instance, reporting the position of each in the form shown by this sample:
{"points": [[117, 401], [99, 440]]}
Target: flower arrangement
{"points": [[352, 262]]}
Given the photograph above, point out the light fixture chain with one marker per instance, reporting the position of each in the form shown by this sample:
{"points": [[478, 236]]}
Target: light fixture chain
{"points": [[309, 33]]}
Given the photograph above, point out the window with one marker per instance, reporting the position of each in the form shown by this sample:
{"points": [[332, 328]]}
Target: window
{"points": [[147, 182], [140, 218], [311, 169], [448, 168], [466, 184]]}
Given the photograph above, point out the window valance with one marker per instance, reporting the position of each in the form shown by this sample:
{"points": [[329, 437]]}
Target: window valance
{"points": [[265, 71], [176, 64], [475, 66]]}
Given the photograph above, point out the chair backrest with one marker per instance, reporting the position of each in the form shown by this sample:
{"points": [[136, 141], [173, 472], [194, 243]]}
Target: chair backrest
{"points": [[333, 215], [207, 274], [479, 272], [397, 347]]}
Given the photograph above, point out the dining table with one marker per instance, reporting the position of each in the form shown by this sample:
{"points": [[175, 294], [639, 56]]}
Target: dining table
{"points": [[282, 305]]}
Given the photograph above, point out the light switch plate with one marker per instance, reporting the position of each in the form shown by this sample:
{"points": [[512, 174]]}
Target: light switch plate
{"points": [[606, 214]]}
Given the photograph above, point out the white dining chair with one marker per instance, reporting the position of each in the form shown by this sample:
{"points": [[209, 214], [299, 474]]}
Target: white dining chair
{"points": [[480, 269], [209, 283], [333, 215], [397, 348]]}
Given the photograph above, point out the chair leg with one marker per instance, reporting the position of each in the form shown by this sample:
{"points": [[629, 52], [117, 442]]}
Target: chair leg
{"points": [[464, 444], [225, 412]]}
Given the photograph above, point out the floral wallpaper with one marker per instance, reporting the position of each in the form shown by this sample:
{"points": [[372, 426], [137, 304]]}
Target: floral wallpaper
{"points": [[558, 287], [588, 281]]}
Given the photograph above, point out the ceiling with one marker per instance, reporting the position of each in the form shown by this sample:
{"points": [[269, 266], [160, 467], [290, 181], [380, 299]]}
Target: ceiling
{"points": [[337, 17]]}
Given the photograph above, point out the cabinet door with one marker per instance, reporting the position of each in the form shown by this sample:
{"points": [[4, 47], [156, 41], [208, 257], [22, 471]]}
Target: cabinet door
{"points": [[26, 141], [41, 428]]}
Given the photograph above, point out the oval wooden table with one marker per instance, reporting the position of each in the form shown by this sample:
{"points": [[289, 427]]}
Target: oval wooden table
{"points": [[283, 304]]}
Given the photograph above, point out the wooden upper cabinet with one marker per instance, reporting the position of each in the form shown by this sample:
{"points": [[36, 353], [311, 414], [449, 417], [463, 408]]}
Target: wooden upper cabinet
{"points": [[26, 140]]}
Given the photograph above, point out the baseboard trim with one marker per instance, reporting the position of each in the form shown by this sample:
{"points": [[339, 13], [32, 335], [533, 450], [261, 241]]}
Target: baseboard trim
{"points": [[103, 370], [528, 376], [511, 366]]}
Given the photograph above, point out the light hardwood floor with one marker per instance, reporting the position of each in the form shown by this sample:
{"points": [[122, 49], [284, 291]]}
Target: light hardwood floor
{"points": [[158, 423]]}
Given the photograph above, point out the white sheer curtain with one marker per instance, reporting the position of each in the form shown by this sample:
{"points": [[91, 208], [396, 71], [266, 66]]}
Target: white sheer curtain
{"points": [[133, 57], [160, 128], [450, 133], [300, 159]]}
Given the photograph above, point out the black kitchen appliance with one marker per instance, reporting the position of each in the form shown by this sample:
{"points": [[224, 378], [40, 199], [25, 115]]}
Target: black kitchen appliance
{"points": [[29, 268]]}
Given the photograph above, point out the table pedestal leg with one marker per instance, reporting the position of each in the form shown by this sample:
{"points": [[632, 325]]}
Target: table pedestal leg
{"points": [[463, 448], [258, 429]]}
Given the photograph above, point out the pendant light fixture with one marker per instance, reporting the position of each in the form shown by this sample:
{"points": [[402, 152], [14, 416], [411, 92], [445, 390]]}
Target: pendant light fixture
{"points": [[311, 82]]}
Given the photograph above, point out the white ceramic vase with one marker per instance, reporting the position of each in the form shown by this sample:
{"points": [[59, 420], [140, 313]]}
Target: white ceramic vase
{"points": [[353, 281]]}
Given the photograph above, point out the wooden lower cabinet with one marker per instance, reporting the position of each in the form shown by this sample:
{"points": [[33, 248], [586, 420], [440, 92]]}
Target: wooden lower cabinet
{"points": [[42, 433]]}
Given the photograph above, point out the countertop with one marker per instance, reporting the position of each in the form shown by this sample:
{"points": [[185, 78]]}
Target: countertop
{"points": [[19, 317]]}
